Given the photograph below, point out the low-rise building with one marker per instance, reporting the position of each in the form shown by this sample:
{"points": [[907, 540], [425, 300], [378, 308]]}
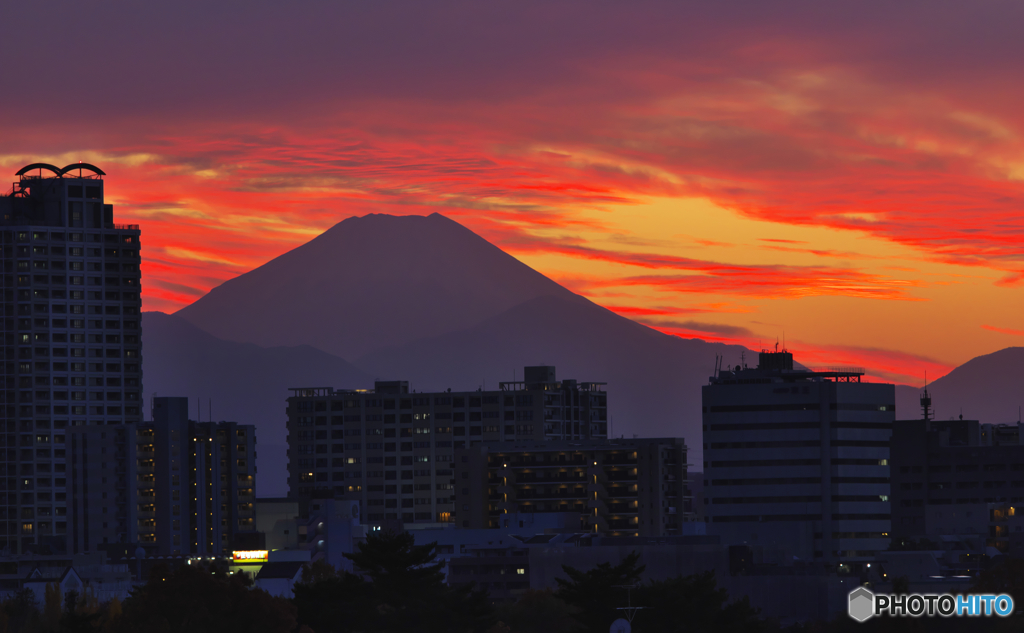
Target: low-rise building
{"points": [[103, 578]]}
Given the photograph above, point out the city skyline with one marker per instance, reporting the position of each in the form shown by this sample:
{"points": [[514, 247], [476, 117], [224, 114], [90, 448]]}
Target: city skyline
{"points": [[845, 181]]}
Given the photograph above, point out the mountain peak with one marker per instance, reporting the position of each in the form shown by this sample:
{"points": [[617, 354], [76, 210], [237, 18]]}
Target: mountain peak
{"points": [[371, 282]]}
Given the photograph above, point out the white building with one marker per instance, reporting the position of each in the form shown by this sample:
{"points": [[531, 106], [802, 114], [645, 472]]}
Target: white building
{"points": [[798, 459]]}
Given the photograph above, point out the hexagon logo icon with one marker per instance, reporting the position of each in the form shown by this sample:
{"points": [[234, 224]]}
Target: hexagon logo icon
{"points": [[862, 604]]}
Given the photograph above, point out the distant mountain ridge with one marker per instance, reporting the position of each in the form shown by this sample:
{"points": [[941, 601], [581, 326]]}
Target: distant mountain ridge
{"points": [[988, 388]]}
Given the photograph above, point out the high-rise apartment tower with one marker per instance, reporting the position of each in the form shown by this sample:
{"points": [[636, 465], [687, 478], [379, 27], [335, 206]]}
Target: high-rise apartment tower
{"points": [[71, 345]]}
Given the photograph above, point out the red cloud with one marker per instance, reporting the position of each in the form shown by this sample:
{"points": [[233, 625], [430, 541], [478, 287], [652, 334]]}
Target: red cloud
{"points": [[1003, 330]]}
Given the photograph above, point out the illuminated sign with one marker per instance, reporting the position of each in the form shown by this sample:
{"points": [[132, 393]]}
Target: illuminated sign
{"points": [[249, 556]]}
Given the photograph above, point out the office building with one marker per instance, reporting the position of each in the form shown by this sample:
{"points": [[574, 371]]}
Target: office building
{"points": [[956, 478], [196, 483], [393, 450], [798, 459], [71, 340], [621, 487]]}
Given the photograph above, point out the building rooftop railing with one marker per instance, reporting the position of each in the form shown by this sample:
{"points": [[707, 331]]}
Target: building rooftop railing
{"points": [[837, 370]]}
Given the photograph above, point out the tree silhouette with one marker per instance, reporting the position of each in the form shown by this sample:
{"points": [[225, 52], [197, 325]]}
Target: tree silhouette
{"points": [[597, 593], [408, 591], [196, 600]]}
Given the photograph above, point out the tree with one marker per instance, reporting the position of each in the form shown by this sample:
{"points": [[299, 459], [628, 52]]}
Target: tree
{"points": [[80, 614], [597, 593], [52, 601], [537, 611], [22, 611], [201, 600], [694, 604], [317, 571], [399, 588], [113, 614], [335, 605]]}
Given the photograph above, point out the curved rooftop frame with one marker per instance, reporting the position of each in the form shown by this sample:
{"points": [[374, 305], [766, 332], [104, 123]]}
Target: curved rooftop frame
{"points": [[40, 166], [58, 172], [80, 166]]}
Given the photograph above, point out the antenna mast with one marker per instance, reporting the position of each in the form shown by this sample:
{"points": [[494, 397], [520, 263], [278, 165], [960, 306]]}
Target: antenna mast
{"points": [[926, 402]]}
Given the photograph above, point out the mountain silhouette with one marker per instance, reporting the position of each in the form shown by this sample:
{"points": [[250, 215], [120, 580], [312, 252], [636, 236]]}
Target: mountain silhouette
{"points": [[370, 282], [987, 388], [246, 383]]}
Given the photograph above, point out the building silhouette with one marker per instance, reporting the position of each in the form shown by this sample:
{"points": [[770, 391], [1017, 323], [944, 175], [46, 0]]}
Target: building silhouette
{"points": [[394, 451], [798, 459], [957, 479], [618, 487], [71, 353]]}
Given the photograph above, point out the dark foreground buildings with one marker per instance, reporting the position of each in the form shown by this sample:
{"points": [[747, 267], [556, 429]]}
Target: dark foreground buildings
{"points": [[72, 354], [433, 457], [957, 479], [394, 450], [623, 487]]}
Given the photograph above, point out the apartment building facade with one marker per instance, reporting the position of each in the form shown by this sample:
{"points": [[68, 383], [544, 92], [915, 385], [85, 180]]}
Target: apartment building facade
{"points": [[71, 338], [196, 483], [798, 459], [394, 451], [635, 487]]}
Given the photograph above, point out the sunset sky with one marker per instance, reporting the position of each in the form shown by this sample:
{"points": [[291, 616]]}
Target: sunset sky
{"points": [[847, 175]]}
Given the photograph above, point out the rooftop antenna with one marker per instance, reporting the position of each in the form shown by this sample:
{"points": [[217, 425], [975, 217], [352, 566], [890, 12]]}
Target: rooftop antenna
{"points": [[926, 401], [209, 414], [776, 345], [629, 609], [743, 358]]}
